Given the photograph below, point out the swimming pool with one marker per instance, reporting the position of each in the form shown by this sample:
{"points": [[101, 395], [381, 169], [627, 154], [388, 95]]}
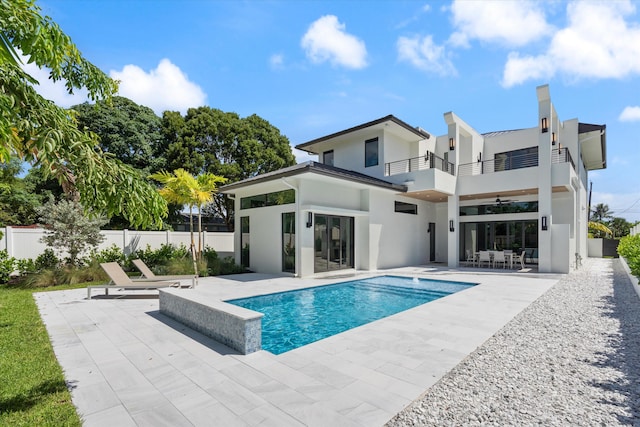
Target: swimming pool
{"points": [[296, 318]]}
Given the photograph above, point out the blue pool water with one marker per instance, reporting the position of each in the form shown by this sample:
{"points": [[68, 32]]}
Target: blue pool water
{"points": [[296, 318]]}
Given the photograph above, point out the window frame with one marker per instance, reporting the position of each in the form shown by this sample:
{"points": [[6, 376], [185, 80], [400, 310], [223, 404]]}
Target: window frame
{"points": [[368, 157]]}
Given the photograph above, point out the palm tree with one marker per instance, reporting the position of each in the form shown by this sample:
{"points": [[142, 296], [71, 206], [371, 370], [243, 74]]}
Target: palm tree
{"points": [[601, 213], [184, 189]]}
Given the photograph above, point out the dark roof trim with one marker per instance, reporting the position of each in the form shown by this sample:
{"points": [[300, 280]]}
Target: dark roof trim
{"points": [[314, 167], [586, 128], [418, 131]]}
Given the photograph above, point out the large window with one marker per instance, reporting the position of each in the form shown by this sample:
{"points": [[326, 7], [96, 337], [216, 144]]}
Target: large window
{"points": [[327, 157], [244, 241], [269, 199], [333, 242], [371, 152], [289, 242], [517, 236], [493, 208], [516, 159]]}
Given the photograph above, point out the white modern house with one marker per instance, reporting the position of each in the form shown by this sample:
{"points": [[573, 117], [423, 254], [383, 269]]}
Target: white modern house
{"points": [[386, 194]]}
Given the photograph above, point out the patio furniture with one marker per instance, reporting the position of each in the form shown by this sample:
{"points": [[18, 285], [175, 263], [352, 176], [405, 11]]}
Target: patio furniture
{"points": [[147, 274], [120, 280], [521, 258], [471, 258], [483, 256], [498, 257]]}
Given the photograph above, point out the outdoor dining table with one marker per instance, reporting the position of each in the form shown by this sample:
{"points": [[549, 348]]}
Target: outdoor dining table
{"points": [[508, 256]]}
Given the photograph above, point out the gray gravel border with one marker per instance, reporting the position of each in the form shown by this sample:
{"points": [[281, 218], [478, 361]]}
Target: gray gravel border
{"points": [[571, 358]]}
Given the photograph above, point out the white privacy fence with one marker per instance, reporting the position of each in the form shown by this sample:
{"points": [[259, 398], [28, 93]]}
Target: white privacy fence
{"points": [[22, 243]]}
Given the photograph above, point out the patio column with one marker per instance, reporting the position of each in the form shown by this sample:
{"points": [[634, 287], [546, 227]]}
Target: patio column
{"points": [[547, 120], [453, 242]]}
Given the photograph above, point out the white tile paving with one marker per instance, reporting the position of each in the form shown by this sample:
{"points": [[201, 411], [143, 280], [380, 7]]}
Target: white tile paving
{"points": [[130, 365]]}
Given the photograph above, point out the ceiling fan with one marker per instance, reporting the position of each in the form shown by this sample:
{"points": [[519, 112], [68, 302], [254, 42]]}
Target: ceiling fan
{"points": [[500, 201]]}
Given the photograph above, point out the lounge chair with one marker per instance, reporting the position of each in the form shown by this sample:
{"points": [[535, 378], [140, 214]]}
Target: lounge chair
{"points": [[120, 280], [147, 274]]}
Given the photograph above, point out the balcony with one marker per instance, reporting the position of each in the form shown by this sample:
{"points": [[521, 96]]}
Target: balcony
{"points": [[559, 155], [428, 161]]}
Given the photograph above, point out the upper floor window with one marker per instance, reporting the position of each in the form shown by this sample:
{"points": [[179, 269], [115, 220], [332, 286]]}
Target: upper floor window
{"points": [[327, 157], [516, 159], [269, 199], [371, 152]]}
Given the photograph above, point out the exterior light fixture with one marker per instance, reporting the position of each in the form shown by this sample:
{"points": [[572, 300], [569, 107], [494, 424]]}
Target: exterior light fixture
{"points": [[554, 138], [544, 126], [309, 219], [451, 226], [452, 144], [544, 223]]}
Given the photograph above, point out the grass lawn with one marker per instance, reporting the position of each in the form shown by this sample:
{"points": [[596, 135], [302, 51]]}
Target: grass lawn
{"points": [[32, 387]]}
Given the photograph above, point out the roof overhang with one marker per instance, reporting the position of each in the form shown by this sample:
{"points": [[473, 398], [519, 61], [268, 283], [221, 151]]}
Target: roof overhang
{"points": [[314, 168], [388, 123], [593, 143]]}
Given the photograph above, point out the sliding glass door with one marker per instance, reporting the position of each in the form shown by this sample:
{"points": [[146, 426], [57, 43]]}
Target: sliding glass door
{"points": [[333, 243]]}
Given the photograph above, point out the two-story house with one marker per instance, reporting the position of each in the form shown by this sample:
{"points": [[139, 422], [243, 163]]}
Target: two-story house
{"points": [[386, 194]]}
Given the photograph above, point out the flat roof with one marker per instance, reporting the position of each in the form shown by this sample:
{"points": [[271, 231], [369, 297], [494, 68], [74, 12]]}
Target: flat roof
{"points": [[317, 168]]}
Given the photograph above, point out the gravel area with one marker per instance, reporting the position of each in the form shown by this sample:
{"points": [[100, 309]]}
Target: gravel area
{"points": [[572, 358]]}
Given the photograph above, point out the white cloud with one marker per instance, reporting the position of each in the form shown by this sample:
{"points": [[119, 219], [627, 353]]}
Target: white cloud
{"points": [[597, 43], [54, 91], [161, 89], [509, 23], [326, 40], [425, 55], [276, 61], [630, 114]]}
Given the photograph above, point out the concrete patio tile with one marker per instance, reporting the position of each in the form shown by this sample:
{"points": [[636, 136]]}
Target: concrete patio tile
{"points": [[287, 375], [212, 414], [141, 398], [204, 376], [161, 415], [235, 397], [369, 415], [282, 396], [93, 398], [319, 415], [115, 416], [246, 375], [327, 375], [268, 415], [123, 375], [389, 402]]}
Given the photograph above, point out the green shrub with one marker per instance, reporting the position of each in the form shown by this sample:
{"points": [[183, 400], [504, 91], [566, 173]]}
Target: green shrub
{"points": [[162, 255], [111, 254], [47, 260], [26, 266], [229, 266], [68, 275], [7, 266], [629, 249]]}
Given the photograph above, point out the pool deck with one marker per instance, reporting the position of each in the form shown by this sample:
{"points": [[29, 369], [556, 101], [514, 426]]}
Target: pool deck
{"points": [[128, 365]]}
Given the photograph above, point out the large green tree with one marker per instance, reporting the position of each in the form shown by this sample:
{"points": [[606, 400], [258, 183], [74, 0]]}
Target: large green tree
{"points": [[129, 131], [39, 132], [224, 144], [18, 202]]}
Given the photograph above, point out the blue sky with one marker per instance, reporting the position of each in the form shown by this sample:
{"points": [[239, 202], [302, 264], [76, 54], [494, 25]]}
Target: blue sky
{"points": [[316, 67]]}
